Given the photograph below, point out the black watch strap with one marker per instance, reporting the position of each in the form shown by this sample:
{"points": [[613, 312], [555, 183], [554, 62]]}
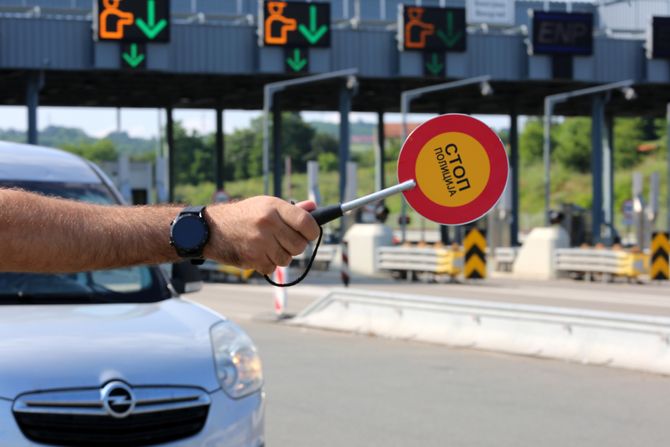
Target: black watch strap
{"points": [[197, 210]]}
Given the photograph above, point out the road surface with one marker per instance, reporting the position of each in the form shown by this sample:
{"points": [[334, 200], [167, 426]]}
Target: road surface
{"points": [[337, 389]]}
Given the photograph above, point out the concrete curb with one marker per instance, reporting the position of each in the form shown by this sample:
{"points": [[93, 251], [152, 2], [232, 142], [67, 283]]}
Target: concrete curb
{"points": [[630, 341]]}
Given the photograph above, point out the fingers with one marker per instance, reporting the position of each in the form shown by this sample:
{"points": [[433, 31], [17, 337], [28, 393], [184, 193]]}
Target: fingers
{"points": [[259, 233], [298, 219], [307, 205]]}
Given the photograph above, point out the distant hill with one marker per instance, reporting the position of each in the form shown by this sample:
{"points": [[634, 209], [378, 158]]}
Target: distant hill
{"points": [[57, 136], [355, 129]]}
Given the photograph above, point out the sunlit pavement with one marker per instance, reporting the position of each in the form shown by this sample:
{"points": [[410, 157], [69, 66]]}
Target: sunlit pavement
{"points": [[334, 389]]}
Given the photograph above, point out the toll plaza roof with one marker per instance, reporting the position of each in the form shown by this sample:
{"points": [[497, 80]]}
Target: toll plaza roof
{"points": [[225, 63], [114, 89]]}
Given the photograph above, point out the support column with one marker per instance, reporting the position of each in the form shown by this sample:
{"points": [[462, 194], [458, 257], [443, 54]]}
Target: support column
{"points": [[345, 107], [667, 155], [514, 171], [597, 124], [608, 179], [276, 148], [380, 177], [169, 130], [32, 102], [219, 150]]}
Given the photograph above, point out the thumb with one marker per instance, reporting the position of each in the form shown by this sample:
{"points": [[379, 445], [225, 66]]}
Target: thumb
{"points": [[307, 205]]}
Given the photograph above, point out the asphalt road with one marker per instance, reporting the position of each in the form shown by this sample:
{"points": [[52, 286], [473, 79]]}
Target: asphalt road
{"points": [[336, 389]]}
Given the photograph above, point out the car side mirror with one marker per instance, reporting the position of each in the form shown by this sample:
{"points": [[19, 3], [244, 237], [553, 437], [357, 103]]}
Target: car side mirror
{"points": [[186, 277]]}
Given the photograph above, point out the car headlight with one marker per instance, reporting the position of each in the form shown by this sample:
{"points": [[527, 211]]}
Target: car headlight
{"points": [[238, 365]]}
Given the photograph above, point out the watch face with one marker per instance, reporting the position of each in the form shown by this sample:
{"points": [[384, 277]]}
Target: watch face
{"points": [[189, 233]]}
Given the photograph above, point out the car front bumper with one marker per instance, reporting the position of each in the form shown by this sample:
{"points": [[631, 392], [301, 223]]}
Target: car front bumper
{"points": [[230, 423]]}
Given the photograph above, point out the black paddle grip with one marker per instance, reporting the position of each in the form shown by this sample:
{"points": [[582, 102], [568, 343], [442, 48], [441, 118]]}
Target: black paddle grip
{"points": [[326, 214]]}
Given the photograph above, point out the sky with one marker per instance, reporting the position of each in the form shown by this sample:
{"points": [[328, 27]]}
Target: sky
{"points": [[144, 123]]}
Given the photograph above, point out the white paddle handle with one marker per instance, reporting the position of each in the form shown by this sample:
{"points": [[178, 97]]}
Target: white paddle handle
{"points": [[332, 212], [379, 195]]}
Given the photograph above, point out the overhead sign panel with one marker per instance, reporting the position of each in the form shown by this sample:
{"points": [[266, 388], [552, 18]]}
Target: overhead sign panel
{"points": [[433, 65], [133, 56], [433, 29], [562, 33], [133, 20], [659, 47], [296, 60], [491, 12], [296, 24]]}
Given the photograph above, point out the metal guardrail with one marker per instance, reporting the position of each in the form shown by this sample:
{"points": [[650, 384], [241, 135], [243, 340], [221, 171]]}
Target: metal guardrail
{"points": [[324, 257], [504, 257], [437, 261], [610, 263]]}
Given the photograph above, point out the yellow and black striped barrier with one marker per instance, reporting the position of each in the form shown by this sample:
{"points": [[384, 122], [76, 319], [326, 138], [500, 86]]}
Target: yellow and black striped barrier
{"points": [[474, 245], [660, 247]]}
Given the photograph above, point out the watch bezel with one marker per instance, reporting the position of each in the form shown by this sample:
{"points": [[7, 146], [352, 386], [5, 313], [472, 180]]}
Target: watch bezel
{"points": [[196, 250]]}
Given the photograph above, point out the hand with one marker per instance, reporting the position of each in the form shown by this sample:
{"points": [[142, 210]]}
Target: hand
{"points": [[260, 233]]}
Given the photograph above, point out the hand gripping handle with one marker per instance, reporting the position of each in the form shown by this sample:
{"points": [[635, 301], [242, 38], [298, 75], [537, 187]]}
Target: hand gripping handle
{"points": [[327, 214]]}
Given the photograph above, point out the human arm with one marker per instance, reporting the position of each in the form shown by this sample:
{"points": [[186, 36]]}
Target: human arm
{"points": [[44, 234]]}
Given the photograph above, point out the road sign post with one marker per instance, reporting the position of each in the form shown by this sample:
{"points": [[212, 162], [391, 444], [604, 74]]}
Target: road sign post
{"points": [[549, 105], [268, 101]]}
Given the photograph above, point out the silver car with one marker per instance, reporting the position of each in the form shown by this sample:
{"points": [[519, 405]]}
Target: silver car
{"points": [[115, 357]]}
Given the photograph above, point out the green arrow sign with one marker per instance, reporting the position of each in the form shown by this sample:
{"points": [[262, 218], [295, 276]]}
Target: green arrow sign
{"points": [[151, 28], [434, 65], [450, 38], [296, 62], [133, 58], [314, 33]]}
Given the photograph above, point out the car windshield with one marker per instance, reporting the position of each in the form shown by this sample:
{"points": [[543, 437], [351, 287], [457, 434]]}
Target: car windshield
{"points": [[124, 285]]}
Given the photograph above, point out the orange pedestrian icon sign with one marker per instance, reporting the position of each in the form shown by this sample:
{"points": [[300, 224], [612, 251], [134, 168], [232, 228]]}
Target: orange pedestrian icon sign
{"points": [[417, 31], [295, 24], [112, 20], [276, 25], [135, 21], [432, 29]]}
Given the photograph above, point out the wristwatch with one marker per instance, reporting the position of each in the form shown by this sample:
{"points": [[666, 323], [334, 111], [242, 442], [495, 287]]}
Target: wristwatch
{"points": [[189, 233]]}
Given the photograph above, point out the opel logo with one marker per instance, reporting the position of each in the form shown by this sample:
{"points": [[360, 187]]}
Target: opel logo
{"points": [[117, 399]]}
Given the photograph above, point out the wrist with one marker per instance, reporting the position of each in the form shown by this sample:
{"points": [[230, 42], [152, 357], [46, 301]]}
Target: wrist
{"points": [[218, 217]]}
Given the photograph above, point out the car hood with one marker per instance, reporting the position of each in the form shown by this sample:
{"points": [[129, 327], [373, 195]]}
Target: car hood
{"points": [[75, 346]]}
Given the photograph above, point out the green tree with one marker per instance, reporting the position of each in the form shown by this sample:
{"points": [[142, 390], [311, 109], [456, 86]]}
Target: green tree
{"points": [[328, 162], [531, 141], [96, 151], [244, 147], [194, 157], [296, 138], [629, 133], [322, 143], [573, 144]]}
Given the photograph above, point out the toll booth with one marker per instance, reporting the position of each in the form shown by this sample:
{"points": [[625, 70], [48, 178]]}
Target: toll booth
{"points": [[135, 180], [576, 221]]}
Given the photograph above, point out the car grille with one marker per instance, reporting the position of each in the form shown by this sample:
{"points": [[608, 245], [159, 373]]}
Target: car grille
{"points": [[79, 418]]}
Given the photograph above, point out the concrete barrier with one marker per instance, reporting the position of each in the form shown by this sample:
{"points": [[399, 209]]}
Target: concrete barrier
{"points": [[630, 341]]}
